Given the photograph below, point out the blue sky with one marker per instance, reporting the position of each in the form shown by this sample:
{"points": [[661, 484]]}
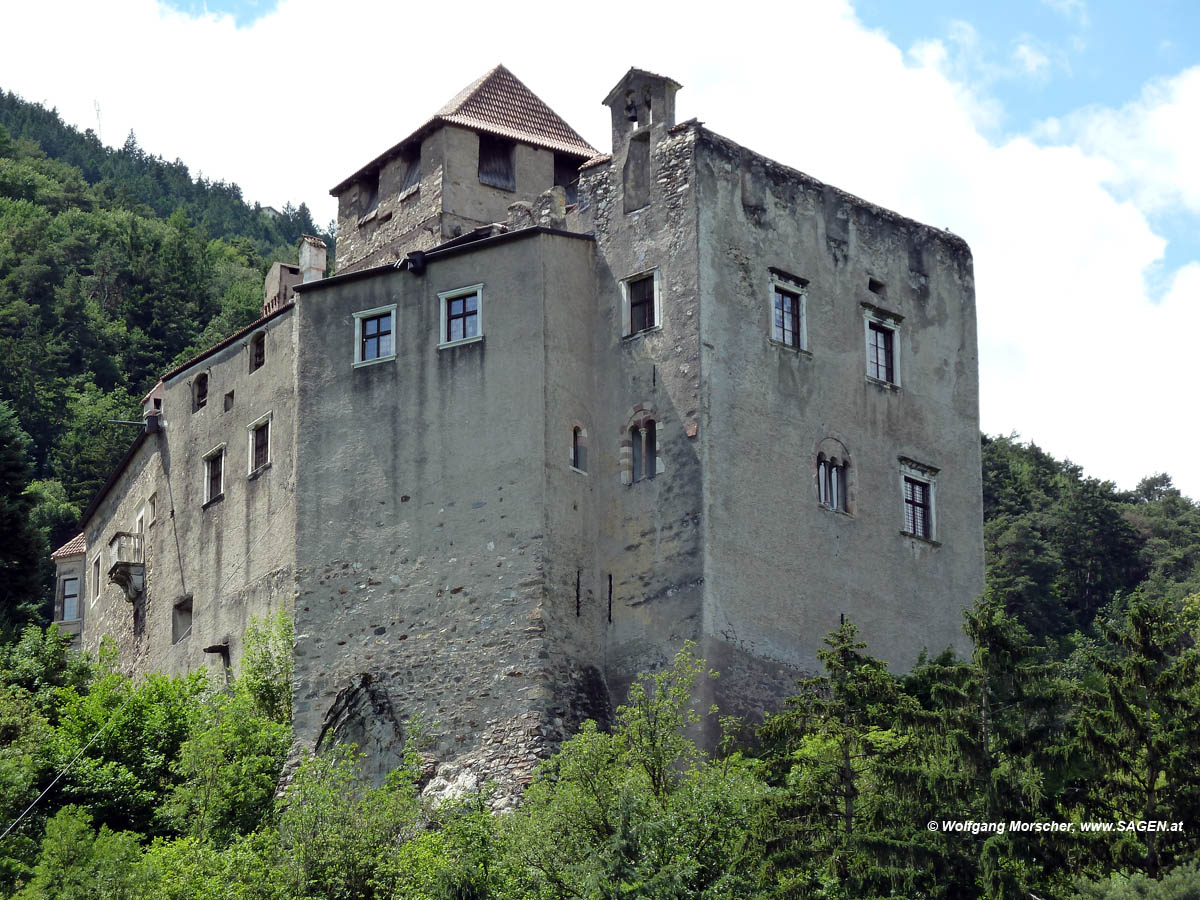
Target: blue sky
{"points": [[1059, 137]]}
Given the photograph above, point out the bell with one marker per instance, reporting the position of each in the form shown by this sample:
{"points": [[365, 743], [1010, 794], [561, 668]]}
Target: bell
{"points": [[631, 110]]}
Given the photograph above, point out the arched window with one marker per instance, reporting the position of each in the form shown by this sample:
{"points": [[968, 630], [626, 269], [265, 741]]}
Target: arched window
{"points": [[832, 482], [645, 450], [199, 392], [258, 351]]}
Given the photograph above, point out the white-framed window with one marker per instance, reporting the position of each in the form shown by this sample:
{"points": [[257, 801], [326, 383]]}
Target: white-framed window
{"points": [[789, 320], [375, 335], [139, 525], [918, 491], [95, 578], [461, 316], [882, 330], [151, 507], [258, 448], [641, 303], [214, 474], [70, 599]]}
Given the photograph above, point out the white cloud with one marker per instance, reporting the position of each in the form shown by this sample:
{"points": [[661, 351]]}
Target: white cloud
{"points": [[1031, 60], [1075, 10], [1153, 142], [1074, 354]]}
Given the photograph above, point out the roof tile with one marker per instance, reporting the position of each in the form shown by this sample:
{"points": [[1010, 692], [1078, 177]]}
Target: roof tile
{"points": [[73, 547]]}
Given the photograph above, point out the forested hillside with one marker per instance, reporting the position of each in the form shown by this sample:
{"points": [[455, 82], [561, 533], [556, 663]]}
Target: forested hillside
{"points": [[114, 264], [1078, 703]]}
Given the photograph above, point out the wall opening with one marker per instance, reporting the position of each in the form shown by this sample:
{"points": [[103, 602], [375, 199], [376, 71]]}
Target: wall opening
{"points": [[637, 172], [496, 163], [181, 619]]}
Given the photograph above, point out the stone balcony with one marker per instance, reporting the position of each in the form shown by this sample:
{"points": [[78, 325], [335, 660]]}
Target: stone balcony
{"points": [[126, 563]]}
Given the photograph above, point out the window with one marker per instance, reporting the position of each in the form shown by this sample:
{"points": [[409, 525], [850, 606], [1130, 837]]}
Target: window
{"points": [[644, 439], [641, 302], [258, 351], [260, 443], [139, 526], [879, 352], [916, 507], [228, 401], [566, 176], [214, 475], [70, 599], [579, 449], [374, 335], [96, 578], [199, 392], [918, 483], [181, 619], [496, 162], [151, 506], [462, 315], [832, 483], [368, 194], [883, 348], [411, 161]]}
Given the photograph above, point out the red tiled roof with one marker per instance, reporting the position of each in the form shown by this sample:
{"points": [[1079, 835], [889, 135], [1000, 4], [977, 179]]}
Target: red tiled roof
{"points": [[73, 547], [497, 103]]}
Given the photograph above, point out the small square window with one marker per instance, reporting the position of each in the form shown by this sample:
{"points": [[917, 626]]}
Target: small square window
{"points": [[642, 303], [214, 475], [374, 335], [462, 315]]}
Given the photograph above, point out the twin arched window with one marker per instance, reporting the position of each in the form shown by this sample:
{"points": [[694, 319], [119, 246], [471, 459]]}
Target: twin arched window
{"points": [[644, 440], [832, 482]]}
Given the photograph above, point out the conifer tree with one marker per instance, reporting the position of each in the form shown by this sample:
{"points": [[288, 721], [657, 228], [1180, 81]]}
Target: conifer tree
{"points": [[843, 755], [1140, 725]]}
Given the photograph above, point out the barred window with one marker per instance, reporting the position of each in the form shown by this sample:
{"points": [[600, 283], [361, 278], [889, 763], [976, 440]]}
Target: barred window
{"points": [[917, 507]]}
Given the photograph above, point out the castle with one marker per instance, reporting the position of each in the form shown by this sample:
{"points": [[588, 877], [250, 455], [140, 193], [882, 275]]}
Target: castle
{"points": [[558, 412]]}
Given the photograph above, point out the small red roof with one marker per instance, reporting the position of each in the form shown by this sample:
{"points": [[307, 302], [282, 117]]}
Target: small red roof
{"points": [[74, 547]]}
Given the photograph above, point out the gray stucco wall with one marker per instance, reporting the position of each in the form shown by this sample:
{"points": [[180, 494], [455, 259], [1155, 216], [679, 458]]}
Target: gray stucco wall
{"points": [[423, 516], [780, 568], [234, 557]]}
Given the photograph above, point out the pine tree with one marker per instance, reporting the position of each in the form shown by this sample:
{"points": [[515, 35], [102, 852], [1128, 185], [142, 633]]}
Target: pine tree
{"points": [[842, 755], [21, 547], [1140, 724]]}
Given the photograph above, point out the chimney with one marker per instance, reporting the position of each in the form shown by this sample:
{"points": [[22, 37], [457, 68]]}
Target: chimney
{"points": [[312, 258]]}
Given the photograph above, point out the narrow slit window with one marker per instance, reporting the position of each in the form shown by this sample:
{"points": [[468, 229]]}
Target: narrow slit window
{"points": [[200, 393], [258, 351], [635, 435]]}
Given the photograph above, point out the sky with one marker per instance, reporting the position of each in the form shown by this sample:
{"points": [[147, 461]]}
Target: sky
{"points": [[1058, 137]]}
